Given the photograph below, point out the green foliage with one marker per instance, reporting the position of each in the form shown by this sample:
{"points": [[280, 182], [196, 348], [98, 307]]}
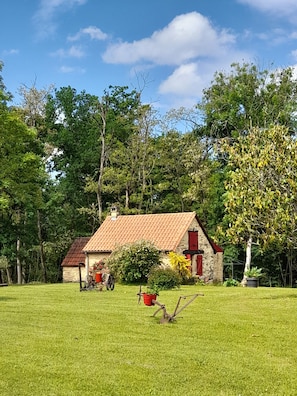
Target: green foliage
{"points": [[4, 95], [132, 263], [21, 172], [171, 174], [3, 262], [230, 282], [164, 278], [249, 97], [128, 173], [152, 289], [180, 264], [253, 272], [261, 187]]}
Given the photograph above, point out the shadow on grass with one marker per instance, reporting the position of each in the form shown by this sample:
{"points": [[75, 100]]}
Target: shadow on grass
{"points": [[4, 298], [278, 297]]}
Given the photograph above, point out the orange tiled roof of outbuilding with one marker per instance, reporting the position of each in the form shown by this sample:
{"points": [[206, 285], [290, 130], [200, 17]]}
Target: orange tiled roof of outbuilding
{"points": [[164, 230], [75, 254]]}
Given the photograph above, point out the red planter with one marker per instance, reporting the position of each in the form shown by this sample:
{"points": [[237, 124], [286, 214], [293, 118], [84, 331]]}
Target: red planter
{"points": [[98, 277], [148, 298]]}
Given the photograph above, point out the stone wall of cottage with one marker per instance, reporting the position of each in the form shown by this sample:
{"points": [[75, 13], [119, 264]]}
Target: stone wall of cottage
{"points": [[212, 263], [71, 274], [218, 267], [95, 257]]}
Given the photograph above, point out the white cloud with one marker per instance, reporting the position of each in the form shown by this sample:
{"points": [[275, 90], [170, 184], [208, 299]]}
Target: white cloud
{"points": [[274, 36], [72, 52], [47, 10], [12, 51], [92, 31], [70, 69], [294, 54], [283, 8], [191, 46], [294, 68], [188, 36], [185, 84], [185, 80]]}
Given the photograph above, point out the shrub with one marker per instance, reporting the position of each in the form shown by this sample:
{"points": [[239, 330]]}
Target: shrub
{"points": [[181, 265], [131, 263], [164, 278], [230, 282], [253, 272]]}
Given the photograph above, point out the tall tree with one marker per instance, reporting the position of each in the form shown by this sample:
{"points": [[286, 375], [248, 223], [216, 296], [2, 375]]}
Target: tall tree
{"points": [[32, 110], [172, 174], [5, 96], [116, 116], [129, 170], [34, 104], [249, 97], [72, 131], [261, 189], [21, 172]]}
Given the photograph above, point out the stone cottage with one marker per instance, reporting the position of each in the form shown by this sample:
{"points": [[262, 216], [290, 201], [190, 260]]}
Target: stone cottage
{"points": [[182, 233]]}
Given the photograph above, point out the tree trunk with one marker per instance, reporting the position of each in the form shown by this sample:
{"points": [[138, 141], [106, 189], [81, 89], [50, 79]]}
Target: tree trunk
{"points": [[248, 257], [127, 197], [19, 265], [9, 280], [101, 165], [290, 267], [42, 258]]}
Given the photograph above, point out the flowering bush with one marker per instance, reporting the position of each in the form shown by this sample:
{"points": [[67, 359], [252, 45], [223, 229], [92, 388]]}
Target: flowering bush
{"points": [[180, 264], [98, 266]]}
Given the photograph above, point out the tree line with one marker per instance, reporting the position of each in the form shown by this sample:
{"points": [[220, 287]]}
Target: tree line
{"points": [[67, 157]]}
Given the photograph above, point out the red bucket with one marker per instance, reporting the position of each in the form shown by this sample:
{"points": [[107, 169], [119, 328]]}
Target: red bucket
{"points": [[148, 298], [98, 277]]}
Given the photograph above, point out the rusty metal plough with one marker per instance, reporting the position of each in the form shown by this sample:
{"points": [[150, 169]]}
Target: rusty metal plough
{"points": [[166, 317]]}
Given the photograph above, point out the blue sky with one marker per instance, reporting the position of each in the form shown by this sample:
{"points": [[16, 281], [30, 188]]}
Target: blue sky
{"points": [[169, 49]]}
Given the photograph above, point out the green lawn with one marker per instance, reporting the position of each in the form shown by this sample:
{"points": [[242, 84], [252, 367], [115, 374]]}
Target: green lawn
{"points": [[56, 340]]}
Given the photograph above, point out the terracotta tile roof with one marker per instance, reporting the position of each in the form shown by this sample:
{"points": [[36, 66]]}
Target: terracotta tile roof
{"points": [[75, 254], [164, 230]]}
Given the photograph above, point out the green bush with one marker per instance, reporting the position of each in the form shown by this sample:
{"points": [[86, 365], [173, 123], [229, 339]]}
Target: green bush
{"points": [[164, 278], [132, 263], [230, 282]]}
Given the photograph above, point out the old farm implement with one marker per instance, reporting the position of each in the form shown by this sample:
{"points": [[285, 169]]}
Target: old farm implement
{"points": [[182, 303], [96, 280]]}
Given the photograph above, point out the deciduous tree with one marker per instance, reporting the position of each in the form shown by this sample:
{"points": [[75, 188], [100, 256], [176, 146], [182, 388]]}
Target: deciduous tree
{"points": [[261, 189], [249, 97]]}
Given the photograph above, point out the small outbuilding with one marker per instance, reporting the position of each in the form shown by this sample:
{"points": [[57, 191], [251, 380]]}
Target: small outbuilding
{"points": [[182, 233], [72, 259]]}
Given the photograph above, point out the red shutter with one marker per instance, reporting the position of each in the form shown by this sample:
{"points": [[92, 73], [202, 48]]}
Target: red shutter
{"points": [[199, 265], [193, 240]]}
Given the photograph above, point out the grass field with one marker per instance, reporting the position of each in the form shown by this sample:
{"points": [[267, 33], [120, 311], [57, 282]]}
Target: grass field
{"points": [[56, 340]]}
